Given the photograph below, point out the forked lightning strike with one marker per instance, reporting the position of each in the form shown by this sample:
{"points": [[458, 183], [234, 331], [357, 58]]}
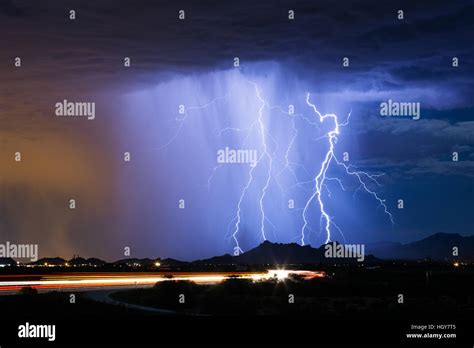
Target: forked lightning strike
{"points": [[319, 181]]}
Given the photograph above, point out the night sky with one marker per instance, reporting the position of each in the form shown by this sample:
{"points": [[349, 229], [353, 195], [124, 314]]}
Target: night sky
{"points": [[190, 62]]}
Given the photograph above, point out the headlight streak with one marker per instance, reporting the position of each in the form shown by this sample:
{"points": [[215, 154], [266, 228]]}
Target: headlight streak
{"points": [[106, 280]]}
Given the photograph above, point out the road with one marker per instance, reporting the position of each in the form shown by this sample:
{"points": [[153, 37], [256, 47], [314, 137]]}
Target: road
{"points": [[77, 281], [104, 297]]}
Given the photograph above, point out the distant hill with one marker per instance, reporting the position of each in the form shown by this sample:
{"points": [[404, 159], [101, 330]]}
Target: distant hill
{"points": [[279, 253], [50, 261], [80, 261], [95, 261], [134, 261], [217, 260], [7, 261], [276, 253], [438, 246], [172, 262]]}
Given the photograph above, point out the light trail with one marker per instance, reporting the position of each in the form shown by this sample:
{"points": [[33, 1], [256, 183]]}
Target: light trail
{"points": [[104, 280]]}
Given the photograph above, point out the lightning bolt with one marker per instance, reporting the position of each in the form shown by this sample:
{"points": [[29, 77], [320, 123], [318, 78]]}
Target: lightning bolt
{"points": [[260, 126], [321, 177], [318, 184], [181, 121], [265, 153], [371, 177]]}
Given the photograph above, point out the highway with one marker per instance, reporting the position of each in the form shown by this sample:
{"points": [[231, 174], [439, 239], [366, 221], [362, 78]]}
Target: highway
{"points": [[78, 281]]}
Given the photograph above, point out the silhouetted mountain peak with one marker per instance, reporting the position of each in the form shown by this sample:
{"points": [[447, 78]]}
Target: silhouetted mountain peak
{"points": [[7, 261], [443, 236], [53, 261], [82, 261], [438, 246], [291, 253], [171, 262]]}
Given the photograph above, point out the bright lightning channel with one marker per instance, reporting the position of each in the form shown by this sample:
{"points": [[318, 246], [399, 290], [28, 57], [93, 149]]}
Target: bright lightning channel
{"points": [[321, 177], [263, 133], [319, 181]]}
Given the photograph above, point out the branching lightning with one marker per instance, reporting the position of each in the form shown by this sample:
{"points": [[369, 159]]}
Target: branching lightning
{"points": [[321, 178], [273, 167], [263, 132]]}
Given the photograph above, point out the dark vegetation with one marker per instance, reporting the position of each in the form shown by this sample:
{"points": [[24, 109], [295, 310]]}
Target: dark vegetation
{"points": [[355, 293]]}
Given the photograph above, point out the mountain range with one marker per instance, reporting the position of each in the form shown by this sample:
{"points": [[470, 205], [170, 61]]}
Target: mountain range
{"points": [[439, 246]]}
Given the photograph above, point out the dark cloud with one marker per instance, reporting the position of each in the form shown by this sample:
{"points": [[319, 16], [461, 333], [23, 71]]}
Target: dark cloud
{"points": [[12, 8], [407, 60]]}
